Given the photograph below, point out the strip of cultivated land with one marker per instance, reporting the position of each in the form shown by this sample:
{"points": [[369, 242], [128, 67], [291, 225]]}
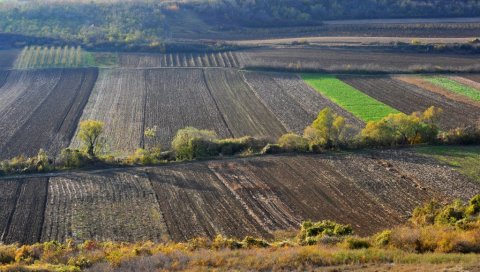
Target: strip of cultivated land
{"points": [[359, 104], [466, 81], [475, 77], [353, 60], [116, 206], [294, 103], [243, 112], [214, 59], [372, 190], [53, 57], [455, 87], [22, 209], [7, 58], [40, 109], [409, 98]]}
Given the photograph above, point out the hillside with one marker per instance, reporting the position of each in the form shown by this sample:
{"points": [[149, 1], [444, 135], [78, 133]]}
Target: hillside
{"points": [[236, 197]]}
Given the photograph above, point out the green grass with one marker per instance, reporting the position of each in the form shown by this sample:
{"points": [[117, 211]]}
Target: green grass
{"points": [[359, 104], [466, 159], [455, 87]]}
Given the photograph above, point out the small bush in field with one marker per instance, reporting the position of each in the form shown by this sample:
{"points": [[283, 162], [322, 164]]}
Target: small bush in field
{"points": [[383, 238], [251, 242], [310, 232], [293, 142], [356, 243]]}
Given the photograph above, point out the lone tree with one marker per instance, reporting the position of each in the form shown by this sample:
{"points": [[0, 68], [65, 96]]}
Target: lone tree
{"points": [[89, 133]]}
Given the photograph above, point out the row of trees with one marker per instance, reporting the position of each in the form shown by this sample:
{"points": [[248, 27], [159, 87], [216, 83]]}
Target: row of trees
{"points": [[327, 131]]}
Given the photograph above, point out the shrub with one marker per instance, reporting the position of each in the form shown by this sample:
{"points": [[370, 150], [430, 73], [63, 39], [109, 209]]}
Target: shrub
{"points": [[293, 142], [383, 238], [7, 254], [473, 205], [426, 215], [22, 164], [451, 214], [73, 158], [271, 149], [221, 242], [145, 157], [24, 254], [251, 242], [310, 232], [328, 130], [356, 243], [190, 143], [234, 146], [402, 129], [464, 135]]}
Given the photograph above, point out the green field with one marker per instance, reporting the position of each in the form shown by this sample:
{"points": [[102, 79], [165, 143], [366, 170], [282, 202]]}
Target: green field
{"points": [[455, 87], [466, 159], [359, 104], [54, 57]]}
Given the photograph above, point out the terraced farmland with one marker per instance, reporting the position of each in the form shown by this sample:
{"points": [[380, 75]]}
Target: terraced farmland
{"points": [[409, 98], [238, 197], [214, 59], [40, 109], [359, 104]]}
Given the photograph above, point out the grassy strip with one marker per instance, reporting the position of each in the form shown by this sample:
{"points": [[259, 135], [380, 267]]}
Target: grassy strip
{"points": [[359, 104], [455, 87], [464, 158]]}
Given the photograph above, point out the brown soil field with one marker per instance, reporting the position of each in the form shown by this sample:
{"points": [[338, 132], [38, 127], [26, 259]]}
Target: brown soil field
{"points": [[421, 83], [243, 112], [117, 206], [466, 81], [409, 98], [258, 196], [118, 100], [341, 60], [141, 60], [294, 103], [22, 209], [7, 58], [3, 77], [177, 98], [60, 102], [475, 77]]}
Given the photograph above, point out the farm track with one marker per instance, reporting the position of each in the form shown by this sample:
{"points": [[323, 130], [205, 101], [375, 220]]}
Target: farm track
{"points": [[176, 99], [294, 103], [257, 196], [424, 84], [341, 60], [409, 98], [217, 59], [25, 203], [62, 108], [117, 206], [243, 112]]}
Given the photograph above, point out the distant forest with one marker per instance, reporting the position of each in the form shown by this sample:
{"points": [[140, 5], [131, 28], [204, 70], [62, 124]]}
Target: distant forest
{"points": [[147, 24]]}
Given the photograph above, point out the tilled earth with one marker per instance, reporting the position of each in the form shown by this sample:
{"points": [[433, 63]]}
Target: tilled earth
{"points": [[259, 196]]}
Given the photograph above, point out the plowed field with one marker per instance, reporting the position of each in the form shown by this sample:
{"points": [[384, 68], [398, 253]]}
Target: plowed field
{"points": [[251, 196], [40, 109], [216, 59], [294, 103], [409, 98], [22, 205], [107, 206]]}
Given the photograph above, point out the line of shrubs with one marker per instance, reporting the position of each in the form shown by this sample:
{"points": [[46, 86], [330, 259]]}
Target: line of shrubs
{"points": [[328, 131]]}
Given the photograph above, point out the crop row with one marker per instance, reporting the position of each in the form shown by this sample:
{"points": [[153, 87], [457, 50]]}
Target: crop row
{"points": [[455, 87], [251, 196], [215, 59], [47, 57], [359, 104]]}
